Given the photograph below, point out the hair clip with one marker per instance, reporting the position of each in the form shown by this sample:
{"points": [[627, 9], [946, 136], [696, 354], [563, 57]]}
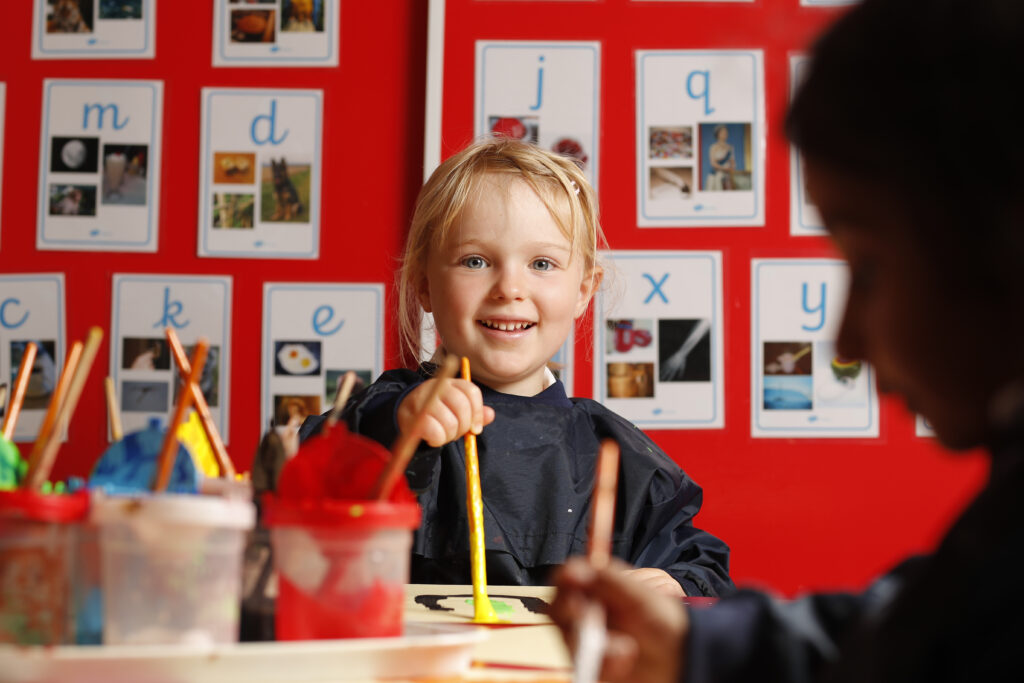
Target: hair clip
{"points": [[575, 187]]}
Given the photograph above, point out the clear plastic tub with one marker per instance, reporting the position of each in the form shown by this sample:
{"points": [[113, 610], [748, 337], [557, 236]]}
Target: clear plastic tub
{"points": [[37, 560], [172, 567], [342, 566]]}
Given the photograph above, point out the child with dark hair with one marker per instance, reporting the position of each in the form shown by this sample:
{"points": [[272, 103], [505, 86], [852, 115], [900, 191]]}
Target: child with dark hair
{"points": [[935, 241]]}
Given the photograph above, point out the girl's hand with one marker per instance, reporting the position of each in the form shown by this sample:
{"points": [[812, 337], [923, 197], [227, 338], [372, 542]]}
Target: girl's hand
{"points": [[459, 409], [657, 580], [646, 632]]}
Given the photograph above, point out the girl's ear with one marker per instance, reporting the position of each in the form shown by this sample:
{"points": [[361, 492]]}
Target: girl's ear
{"points": [[423, 293], [588, 287]]}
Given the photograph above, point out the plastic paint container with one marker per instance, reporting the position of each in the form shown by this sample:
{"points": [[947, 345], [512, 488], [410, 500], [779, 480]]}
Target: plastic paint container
{"points": [[342, 566], [37, 560], [172, 567]]}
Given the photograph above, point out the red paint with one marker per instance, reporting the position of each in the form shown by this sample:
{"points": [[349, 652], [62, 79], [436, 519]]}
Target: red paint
{"points": [[374, 613]]}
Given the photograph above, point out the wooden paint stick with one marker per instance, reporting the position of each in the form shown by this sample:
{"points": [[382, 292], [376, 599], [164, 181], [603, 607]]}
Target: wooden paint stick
{"points": [[591, 630], [405, 445], [28, 358], [483, 610], [227, 468], [169, 450], [341, 398], [113, 413], [602, 518], [38, 474], [56, 400]]}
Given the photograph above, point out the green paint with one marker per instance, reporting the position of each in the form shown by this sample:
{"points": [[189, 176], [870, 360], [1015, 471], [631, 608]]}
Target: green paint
{"points": [[12, 467], [499, 606]]}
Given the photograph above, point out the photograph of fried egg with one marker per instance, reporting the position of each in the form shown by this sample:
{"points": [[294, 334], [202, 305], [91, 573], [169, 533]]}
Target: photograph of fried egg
{"points": [[297, 358]]}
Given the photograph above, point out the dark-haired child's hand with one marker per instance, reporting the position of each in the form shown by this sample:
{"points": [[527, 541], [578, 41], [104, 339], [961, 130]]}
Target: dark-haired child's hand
{"points": [[459, 409], [646, 631]]}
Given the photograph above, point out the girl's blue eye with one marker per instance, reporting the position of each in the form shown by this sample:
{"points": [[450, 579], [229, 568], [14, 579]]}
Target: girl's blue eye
{"points": [[474, 262], [543, 264]]}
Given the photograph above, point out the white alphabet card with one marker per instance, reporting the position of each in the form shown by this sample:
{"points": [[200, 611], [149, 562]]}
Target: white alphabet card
{"points": [[99, 169], [800, 386], [660, 350], [3, 99], [700, 138], [146, 378], [314, 333], [93, 29], [259, 173], [544, 93], [32, 309], [276, 33], [804, 218]]}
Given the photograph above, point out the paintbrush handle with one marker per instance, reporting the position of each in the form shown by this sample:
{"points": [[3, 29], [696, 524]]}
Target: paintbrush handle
{"points": [[227, 468], [28, 357], [56, 400], [113, 413], [602, 520], [405, 445], [39, 474], [169, 450], [483, 610]]}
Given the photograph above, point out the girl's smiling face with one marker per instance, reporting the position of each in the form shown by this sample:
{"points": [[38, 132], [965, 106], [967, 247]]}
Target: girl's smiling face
{"points": [[506, 289]]}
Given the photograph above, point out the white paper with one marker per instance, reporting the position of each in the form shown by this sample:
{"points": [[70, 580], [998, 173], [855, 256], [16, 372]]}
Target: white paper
{"points": [[99, 165], [32, 308], [276, 33], [800, 387], [141, 364], [259, 173], [547, 93], [93, 29], [658, 338], [313, 333], [804, 218], [3, 98], [700, 138]]}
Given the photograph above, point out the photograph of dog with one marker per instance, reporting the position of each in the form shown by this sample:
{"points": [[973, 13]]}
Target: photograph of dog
{"points": [[284, 192]]}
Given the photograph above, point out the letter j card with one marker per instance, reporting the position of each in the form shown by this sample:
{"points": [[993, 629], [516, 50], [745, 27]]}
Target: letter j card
{"points": [[800, 386], [259, 173]]}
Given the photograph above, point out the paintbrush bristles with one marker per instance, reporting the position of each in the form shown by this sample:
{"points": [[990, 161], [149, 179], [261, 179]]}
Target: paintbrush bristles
{"points": [[602, 520], [28, 358], [405, 445]]}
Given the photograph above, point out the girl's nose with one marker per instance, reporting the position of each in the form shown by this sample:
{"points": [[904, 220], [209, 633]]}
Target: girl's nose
{"points": [[508, 285]]}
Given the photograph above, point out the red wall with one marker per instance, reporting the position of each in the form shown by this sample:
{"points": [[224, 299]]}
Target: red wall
{"points": [[798, 514]]}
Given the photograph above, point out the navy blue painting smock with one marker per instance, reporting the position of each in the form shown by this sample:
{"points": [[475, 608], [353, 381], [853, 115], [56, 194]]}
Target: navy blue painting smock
{"points": [[537, 462]]}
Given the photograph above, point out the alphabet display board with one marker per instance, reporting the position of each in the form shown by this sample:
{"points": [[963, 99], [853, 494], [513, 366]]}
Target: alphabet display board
{"points": [[782, 504], [675, 79]]}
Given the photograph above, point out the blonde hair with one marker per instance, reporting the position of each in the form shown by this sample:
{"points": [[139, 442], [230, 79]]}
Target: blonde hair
{"points": [[454, 184]]}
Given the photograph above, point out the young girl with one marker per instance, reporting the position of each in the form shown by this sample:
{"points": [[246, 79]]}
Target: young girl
{"points": [[503, 252]]}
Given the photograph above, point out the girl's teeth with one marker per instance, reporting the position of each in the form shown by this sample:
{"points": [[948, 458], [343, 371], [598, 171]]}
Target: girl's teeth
{"points": [[505, 327]]}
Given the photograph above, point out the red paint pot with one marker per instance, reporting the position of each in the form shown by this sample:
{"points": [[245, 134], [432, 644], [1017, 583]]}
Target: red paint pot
{"points": [[342, 566]]}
